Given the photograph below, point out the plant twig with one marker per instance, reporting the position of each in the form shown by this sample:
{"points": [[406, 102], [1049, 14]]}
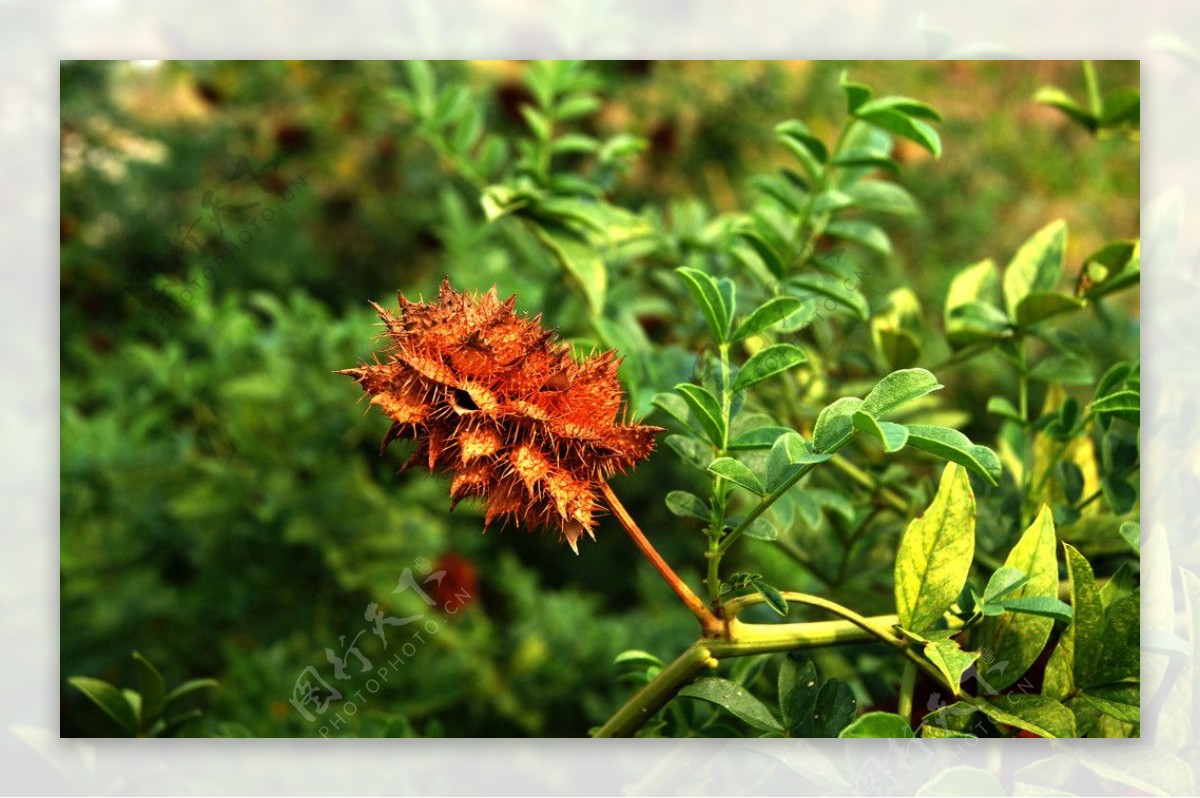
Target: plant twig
{"points": [[732, 608], [751, 639], [658, 692], [709, 623]]}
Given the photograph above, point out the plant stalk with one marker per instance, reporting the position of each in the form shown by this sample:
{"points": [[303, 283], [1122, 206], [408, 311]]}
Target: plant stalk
{"points": [[749, 639], [709, 623], [744, 640]]}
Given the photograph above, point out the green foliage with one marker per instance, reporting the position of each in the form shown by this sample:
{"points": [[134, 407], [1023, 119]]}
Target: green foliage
{"points": [[149, 711], [808, 305]]}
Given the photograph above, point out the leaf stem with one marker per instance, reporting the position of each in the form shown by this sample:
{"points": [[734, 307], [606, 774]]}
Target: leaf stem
{"points": [[887, 495], [1095, 103], [720, 490], [709, 623], [908, 682], [762, 506]]}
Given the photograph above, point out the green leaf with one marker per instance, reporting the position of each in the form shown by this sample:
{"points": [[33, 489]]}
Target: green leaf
{"points": [[1037, 266], [859, 157], [766, 316], [856, 94], [1001, 406], [574, 106], [901, 105], [712, 304], [736, 472], [900, 348], [1005, 580], [757, 438], [706, 409], [189, 687], [780, 465], [977, 322], [1016, 640], [977, 282], [735, 699], [452, 104], [1119, 495], [832, 711], [152, 689], [1121, 701], [899, 388], [1074, 658], [1120, 646], [636, 657], [861, 232], [892, 436], [1037, 714], [1114, 266], [950, 660], [579, 258], [1038, 605], [1041, 305], [1122, 404], [1131, 533], [687, 505], [769, 254], [938, 732], [420, 75], [797, 691], [673, 405], [797, 131], [574, 143], [772, 596], [766, 363], [539, 125], [811, 165], [833, 290], [915, 130], [935, 553], [876, 195], [952, 445], [878, 724], [760, 529], [1120, 106], [835, 425], [110, 699], [1065, 369], [1057, 98], [831, 200], [690, 450]]}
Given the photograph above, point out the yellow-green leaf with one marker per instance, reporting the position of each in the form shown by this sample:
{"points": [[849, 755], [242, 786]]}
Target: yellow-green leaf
{"points": [[1037, 714], [1037, 266], [1014, 640], [935, 553]]}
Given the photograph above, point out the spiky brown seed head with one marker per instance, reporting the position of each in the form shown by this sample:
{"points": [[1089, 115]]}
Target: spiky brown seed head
{"points": [[497, 402]]}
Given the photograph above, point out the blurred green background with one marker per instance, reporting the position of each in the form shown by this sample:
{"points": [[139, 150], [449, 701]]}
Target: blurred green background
{"points": [[224, 507]]}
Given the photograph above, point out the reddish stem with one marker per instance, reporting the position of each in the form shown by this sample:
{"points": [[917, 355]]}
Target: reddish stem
{"points": [[709, 623]]}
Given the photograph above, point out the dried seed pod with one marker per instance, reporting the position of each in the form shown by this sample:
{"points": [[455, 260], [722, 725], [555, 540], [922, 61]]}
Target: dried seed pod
{"points": [[501, 405]]}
